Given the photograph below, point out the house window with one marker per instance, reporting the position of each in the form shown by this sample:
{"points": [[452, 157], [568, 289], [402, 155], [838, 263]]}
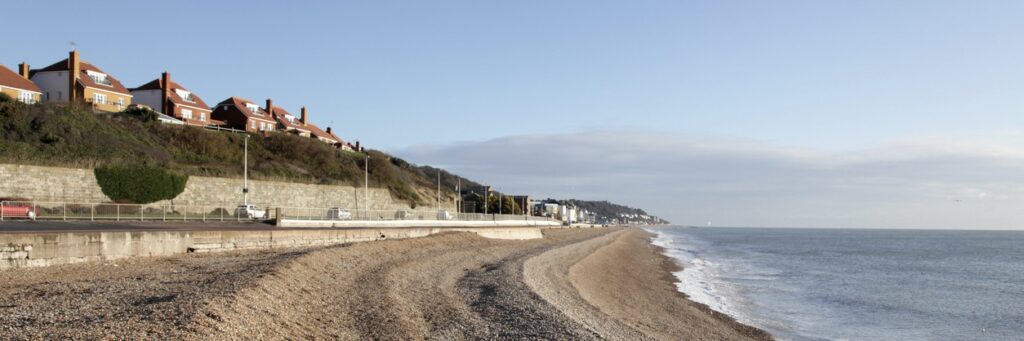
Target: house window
{"points": [[202, 116], [99, 98], [253, 124], [26, 97], [187, 114], [120, 102]]}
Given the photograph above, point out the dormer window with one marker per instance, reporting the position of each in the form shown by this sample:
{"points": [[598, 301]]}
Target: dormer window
{"points": [[185, 95], [254, 108], [98, 77]]}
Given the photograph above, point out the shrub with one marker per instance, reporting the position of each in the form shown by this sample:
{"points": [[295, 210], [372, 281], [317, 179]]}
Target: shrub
{"points": [[139, 184], [147, 114], [5, 98]]}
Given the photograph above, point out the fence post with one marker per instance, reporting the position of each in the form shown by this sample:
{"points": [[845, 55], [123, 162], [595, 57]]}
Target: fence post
{"points": [[222, 214], [184, 213], [65, 210], [36, 210], [92, 212], [117, 216], [1, 211], [164, 209], [142, 213], [204, 215]]}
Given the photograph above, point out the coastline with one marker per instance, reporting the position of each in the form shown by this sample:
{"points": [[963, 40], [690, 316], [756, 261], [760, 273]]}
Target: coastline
{"points": [[572, 284]]}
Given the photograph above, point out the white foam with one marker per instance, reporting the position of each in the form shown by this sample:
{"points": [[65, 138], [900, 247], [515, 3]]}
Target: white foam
{"points": [[700, 278]]}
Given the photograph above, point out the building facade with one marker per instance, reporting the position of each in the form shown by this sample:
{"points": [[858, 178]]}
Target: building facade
{"points": [[18, 85], [75, 80], [170, 98]]}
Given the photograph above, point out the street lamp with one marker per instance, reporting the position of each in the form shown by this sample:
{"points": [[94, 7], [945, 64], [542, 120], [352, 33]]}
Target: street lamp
{"points": [[366, 187]]}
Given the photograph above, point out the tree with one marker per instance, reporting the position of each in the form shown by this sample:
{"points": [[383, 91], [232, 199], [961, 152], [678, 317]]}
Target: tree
{"points": [[139, 184]]}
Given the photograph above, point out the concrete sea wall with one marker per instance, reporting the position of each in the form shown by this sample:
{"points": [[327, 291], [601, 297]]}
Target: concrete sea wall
{"points": [[53, 248]]}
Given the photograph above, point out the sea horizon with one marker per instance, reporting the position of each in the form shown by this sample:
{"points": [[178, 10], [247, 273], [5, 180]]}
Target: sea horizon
{"points": [[826, 284]]}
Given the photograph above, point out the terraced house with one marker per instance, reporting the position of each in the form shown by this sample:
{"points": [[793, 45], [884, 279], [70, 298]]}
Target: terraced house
{"points": [[301, 126], [75, 80], [243, 114], [174, 100], [18, 85]]}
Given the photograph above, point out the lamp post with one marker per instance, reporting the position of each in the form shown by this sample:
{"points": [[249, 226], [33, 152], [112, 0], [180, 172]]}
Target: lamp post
{"points": [[366, 187], [245, 172]]}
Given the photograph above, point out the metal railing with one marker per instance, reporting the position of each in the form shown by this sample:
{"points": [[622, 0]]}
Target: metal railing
{"points": [[43, 210]]}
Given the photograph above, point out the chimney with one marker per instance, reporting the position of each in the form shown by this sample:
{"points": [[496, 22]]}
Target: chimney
{"points": [[357, 146], [74, 68], [303, 119], [270, 107], [328, 130], [165, 92], [23, 70]]}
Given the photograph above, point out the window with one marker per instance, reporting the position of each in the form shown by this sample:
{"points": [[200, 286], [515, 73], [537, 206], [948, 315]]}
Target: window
{"points": [[186, 113], [202, 116], [120, 102], [47, 95], [26, 97], [253, 124], [99, 99], [60, 95]]}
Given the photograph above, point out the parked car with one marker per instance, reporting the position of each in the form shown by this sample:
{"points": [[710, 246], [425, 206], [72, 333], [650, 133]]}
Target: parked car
{"points": [[338, 214], [249, 211], [444, 215], [18, 210]]}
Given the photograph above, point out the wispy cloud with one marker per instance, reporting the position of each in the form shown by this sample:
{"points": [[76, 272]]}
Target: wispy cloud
{"points": [[930, 182]]}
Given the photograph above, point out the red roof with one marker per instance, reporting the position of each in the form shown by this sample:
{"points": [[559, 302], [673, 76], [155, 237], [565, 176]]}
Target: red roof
{"points": [[239, 103], [155, 85], [323, 134], [62, 65], [11, 79]]}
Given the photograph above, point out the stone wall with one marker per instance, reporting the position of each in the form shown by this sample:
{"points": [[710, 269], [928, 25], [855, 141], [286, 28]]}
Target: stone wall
{"points": [[57, 184]]}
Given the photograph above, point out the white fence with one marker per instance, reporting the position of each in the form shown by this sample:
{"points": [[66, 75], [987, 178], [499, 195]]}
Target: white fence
{"points": [[38, 210]]}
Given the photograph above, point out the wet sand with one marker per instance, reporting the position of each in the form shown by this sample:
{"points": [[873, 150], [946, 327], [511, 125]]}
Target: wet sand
{"points": [[573, 284]]}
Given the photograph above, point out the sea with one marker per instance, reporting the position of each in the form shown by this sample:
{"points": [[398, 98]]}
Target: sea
{"points": [[856, 284]]}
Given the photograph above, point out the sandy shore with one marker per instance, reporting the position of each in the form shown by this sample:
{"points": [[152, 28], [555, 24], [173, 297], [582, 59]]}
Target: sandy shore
{"points": [[573, 284]]}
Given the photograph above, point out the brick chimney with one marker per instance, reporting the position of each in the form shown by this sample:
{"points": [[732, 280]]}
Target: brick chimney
{"points": [[328, 130], [270, 107], [23, 70], [74, 68], [357, 146], [303, 118], [165, 93]]}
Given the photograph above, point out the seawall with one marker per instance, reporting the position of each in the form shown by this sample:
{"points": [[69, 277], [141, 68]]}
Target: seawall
{"points": [[54, 248]]}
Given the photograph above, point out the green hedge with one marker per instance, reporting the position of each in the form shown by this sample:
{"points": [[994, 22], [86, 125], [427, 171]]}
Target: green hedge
{"points": [[140, 184]]}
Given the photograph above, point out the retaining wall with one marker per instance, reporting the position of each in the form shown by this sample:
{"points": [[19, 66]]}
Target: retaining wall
{"points": [[58, 184]]}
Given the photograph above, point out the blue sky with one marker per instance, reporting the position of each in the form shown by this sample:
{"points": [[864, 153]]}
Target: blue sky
{"points": [[424, 79]]}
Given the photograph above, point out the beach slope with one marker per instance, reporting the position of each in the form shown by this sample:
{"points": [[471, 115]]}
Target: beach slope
{"points": [[572, 284]]}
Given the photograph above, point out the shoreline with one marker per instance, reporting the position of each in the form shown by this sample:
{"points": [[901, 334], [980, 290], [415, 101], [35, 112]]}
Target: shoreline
{"points": [[451, 285]]}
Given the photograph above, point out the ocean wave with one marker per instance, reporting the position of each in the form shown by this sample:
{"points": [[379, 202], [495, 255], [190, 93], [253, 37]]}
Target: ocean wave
{"points": [[700, 279]]}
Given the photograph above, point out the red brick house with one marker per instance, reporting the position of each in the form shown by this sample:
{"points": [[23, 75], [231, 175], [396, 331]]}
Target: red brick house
{"points": [[243, 114], [170, 98]]}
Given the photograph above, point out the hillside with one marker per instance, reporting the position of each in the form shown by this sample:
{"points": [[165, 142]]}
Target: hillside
{"points": [[73, 136]]}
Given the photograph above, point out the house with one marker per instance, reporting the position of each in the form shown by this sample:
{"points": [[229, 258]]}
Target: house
{"points": [[243, 114], [523, 201], [18, 85], [174, 100], [301, 126], [75, 80], [288, 122]]}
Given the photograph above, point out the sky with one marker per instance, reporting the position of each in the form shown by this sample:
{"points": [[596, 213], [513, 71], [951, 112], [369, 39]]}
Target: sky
{"points": [[741, 113]]}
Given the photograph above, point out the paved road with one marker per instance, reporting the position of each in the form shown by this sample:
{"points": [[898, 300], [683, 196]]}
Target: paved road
{"points": [[8, 226]]}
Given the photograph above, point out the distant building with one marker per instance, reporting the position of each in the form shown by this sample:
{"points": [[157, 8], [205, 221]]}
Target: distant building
{"points": [[18, 85], [72, 79], [523, 201], [174, 100]]}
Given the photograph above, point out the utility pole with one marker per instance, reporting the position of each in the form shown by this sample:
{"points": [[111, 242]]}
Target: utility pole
{"points": [[500, 202], [439, 190], [458, 199], [245, 172], [487, 197]]}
